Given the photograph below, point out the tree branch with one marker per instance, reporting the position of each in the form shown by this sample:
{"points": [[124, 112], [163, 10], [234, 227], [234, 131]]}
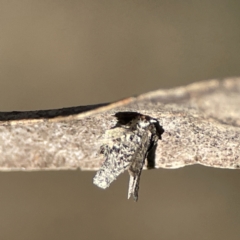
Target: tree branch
{"points": [[201, 123]]}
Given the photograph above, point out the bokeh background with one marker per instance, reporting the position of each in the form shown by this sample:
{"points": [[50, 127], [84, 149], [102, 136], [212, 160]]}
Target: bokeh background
{"points": [[56, 54]]}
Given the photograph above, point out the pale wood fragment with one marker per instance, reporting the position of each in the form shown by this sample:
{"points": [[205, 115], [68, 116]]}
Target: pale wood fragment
{"points": [[201, 123]]}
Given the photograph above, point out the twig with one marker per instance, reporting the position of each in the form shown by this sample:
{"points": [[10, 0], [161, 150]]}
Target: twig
{"points": [[201, 123]]}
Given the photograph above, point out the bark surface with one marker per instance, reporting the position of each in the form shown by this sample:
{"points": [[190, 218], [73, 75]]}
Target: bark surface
{"points": [[201, 123]]}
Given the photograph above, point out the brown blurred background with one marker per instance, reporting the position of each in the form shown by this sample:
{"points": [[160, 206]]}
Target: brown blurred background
{"points": [[56, 54]]}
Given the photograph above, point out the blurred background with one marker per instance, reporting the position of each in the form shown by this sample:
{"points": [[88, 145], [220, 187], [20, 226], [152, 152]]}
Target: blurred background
{"points": [[56, 54]]}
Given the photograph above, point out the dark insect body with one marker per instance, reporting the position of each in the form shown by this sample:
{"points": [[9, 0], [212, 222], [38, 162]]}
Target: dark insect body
{"points": [[126, 146]]}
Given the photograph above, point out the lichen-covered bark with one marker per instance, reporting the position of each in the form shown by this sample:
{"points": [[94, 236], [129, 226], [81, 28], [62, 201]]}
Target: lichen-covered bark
{"points": [[201, 123]]}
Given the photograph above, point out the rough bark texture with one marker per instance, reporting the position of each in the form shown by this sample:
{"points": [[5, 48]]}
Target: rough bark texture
{"points": [[201, 123]]}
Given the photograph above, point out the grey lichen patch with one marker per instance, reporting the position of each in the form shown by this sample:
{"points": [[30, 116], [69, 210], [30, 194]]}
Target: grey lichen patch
{"points": [[126, 146]]}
